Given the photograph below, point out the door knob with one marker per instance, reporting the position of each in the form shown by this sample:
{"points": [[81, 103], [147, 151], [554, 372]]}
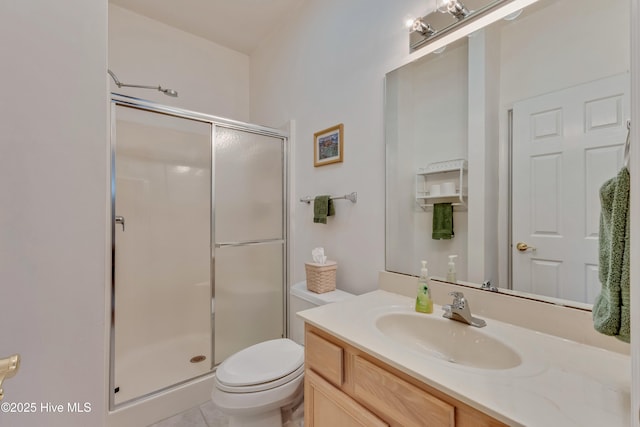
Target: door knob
{"points": [[8, 368], [522, 247]]}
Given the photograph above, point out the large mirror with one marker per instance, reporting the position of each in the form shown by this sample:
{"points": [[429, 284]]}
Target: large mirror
{"points": [[516, 126]]}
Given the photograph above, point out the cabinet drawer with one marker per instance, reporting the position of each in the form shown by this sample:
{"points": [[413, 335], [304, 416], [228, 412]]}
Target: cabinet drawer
{"points": [[325, 358], [403, 402]]}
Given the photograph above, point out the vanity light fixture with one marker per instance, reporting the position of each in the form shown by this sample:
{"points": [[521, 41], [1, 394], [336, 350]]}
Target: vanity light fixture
{"points": [[423, 28], [450, 16]]}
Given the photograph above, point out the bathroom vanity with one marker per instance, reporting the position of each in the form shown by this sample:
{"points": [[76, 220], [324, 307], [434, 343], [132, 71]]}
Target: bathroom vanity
{"points": [[346, 386], [373, 361]]}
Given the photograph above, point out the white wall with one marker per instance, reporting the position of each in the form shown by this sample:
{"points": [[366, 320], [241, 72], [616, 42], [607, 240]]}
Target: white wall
{"points": [[53, 160], [209, 78], [578, 53], [327, 66]]}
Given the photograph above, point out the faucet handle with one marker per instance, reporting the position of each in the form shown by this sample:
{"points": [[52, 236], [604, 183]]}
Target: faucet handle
{"points": [[456, 295], [487, 286], [459, 302]]}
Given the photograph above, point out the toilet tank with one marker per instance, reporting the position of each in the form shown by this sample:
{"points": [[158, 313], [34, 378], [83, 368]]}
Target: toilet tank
{"points": [[302, 299]]}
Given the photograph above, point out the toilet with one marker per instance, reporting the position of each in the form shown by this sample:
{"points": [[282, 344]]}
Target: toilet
{"points": [[303, 299], [254, 385]]}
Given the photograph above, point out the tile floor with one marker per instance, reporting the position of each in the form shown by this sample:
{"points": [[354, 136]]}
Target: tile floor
{"points": [[207, 415]]}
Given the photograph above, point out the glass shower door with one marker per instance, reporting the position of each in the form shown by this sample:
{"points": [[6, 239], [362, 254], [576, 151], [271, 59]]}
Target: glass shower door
{"points": [[161, 191], [249, 235]]}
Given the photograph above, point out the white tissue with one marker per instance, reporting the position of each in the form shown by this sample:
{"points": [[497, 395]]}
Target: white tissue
{"points": [[318, 256]]}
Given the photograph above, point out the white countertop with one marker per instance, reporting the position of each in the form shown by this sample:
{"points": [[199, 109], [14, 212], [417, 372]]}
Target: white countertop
{"points": [[558, 383]]}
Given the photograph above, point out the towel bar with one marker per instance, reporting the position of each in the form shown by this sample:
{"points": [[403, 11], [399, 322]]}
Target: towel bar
{"points": [[352, 197]]}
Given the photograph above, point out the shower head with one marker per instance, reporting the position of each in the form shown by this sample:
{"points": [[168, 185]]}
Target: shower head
{"points": [[113, 76], [169, 92]]}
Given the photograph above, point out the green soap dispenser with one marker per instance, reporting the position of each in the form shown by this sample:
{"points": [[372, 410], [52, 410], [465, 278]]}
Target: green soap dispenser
{"points": [[423, 300]]}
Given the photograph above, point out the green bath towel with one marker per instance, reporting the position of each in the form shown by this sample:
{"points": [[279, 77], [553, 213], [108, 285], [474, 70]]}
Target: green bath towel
{"points": [[322, 208], [611, 309], [442, 221]]}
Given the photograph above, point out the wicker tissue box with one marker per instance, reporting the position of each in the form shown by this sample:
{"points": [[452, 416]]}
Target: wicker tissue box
{"points": [[321, 278]]}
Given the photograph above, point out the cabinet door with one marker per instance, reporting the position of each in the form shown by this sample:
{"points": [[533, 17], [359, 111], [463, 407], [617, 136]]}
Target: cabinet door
{"points": [[327, 406], [399, 400]]}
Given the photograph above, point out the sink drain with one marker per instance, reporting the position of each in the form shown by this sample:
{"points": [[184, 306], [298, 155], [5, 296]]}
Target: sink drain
{"points": [[197, 359]]}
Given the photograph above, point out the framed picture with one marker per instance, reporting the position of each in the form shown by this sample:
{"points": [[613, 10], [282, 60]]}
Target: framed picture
{"points": [[328, 146]]}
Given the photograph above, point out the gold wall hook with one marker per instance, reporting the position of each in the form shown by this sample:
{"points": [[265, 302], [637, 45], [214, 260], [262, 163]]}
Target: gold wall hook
{"points": [[8, 368]]}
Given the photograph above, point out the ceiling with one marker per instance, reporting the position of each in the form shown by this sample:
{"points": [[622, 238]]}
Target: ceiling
{"points": [[237, 24]]}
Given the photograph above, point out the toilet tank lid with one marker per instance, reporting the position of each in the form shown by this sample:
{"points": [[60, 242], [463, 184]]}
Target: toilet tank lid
{"points": [[300, 290], [261, 363]]}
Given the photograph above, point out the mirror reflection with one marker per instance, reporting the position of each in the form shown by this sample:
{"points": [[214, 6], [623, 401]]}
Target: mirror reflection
{"points": [[513, 130]]}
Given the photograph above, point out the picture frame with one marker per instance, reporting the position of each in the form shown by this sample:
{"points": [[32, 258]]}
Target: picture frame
{"points": [[328, 145]]}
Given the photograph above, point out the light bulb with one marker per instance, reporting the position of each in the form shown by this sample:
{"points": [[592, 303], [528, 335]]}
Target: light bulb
{"points": [[408, 22], [454, 7], [423, 28], [442, 6]]}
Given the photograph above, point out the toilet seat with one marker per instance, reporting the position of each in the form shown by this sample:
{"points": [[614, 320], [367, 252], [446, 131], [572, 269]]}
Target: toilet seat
{"points": [[246, 404], [262, 386], [262, 366]]}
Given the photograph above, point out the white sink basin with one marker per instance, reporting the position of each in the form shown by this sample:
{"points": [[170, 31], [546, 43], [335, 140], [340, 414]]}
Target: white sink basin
{"points": [[446, 339]]}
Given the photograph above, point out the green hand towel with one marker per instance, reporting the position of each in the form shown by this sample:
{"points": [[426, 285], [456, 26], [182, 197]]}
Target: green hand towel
{"points": [[612, 307], [442, 221], [322, 208]]}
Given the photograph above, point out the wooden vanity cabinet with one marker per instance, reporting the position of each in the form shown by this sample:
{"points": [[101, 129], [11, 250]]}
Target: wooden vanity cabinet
{"points": [[347, 387]]}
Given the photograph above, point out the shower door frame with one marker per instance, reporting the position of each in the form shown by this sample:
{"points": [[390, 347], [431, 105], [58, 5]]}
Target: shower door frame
{"points": [[213, 121]]}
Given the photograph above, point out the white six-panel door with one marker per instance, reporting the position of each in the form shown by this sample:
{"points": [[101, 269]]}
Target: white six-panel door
{"points": [[565, 145]]}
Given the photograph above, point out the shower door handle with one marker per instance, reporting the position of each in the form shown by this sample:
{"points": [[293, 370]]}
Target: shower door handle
{"points": [[120, 220]]}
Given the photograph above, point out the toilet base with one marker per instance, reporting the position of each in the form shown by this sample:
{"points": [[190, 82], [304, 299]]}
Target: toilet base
{"points": [[266, 419], [259, 409]]}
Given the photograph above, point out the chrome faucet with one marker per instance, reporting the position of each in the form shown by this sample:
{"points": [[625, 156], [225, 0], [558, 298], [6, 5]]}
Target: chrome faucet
{"points": [[459, 310]]}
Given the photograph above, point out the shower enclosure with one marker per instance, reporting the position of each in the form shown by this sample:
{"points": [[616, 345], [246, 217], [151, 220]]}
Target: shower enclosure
{"points": [[198, 243]]}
